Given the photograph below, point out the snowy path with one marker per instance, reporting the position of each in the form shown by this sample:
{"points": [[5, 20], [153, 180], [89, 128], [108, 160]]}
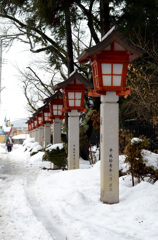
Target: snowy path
{"points": [[36, 204], [18, 176], [42, 214]]}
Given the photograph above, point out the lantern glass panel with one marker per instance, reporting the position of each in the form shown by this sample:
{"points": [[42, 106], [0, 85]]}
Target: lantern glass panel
{"points": [[54, 106], [46, 115], [55, 112], [106, 68], [78, 95], [71, 95], [60, 107], [39, 119], [71, 103], [74, 99], [57, 109], [116, 80], [117, 68], [106, 80], [77, 103]]}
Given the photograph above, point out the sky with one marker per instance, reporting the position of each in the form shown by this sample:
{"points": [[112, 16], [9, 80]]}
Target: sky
{"points": [[13, 101], [38, 204]]}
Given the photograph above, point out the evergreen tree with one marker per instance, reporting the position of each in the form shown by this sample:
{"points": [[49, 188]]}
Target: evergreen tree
{"points": [[139, 23], [49, 27]]}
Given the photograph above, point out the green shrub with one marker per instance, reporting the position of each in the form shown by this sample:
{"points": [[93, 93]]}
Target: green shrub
{"points": [[125, 137], [84, 144], [57, 156], [134, 157], [33, 153]]}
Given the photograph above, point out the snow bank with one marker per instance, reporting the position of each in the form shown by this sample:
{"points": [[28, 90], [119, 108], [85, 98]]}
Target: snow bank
{"points": [[2, 148], [124, 167], [72, 199], [54, 146], [150, 158], [75, 202]]}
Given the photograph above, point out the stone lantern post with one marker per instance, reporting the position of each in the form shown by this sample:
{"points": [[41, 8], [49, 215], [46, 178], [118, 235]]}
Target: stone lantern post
{"points": [[55, 103], [29, 127], [46, 122], [73, 92], [109, 61]]}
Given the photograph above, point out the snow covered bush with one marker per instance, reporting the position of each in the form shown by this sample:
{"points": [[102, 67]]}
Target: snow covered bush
{"points": [[31, 146], [35, 148], [28, 143], [134, 157], [57, 155]]}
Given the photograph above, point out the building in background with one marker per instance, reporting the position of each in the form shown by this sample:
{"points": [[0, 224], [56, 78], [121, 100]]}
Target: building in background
{"points": [[16, 128]]}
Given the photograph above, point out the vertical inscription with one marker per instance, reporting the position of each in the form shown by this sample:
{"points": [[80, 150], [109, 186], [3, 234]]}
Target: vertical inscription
{"points": [[110, 169], [74, 156]]}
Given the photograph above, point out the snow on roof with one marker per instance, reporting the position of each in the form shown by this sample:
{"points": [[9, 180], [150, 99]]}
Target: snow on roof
{"points": [[19, 123], [20, 136], [2, 132], [6, 129]]}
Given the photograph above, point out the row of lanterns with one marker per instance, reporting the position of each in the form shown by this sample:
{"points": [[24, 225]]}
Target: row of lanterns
{"points": [[55, 106], [109, 60]]}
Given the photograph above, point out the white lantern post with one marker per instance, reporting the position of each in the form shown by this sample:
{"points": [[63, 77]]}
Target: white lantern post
{"points": [[109, 60], [73, 92]]}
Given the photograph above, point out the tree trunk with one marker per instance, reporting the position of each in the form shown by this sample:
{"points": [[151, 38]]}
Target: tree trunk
{"points": [[104, 17], [70, 62]]}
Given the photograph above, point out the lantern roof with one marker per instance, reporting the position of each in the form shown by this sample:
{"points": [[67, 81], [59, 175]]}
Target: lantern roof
{"points": [[45, 106], [54, 96], [74, 75], [29, 120], [34, 114], [112, 35]]}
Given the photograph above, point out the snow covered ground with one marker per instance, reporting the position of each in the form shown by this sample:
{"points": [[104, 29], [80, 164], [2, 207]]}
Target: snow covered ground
{"points": [[37, 204]]}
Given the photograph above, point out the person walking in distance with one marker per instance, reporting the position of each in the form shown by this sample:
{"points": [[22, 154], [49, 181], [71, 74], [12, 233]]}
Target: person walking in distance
{"points": [[9, 144]]}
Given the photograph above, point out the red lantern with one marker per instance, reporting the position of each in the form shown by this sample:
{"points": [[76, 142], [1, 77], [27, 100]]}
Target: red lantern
{"points": [[73, 91], [56, 105], [46, 116], [39, 119], [109, 60], [33, 122], [29, 125]]}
